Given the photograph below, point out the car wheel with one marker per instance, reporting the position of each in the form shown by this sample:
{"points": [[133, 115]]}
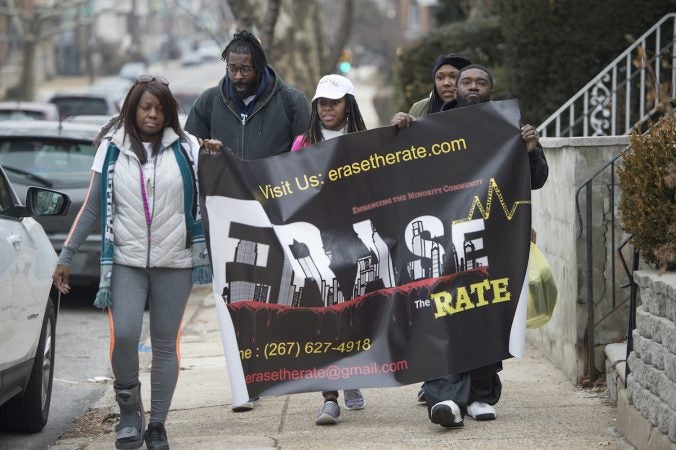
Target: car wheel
{"points": [[28, 412]]}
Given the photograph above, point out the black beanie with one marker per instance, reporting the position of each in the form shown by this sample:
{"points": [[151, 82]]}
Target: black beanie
{"points": [[454, 59]]}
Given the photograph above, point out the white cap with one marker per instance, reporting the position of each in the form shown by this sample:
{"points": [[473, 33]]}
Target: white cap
{"points": [[333, 87]]}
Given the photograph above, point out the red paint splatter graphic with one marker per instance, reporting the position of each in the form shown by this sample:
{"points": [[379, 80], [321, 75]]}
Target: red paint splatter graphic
{"points": [[350, 307]]}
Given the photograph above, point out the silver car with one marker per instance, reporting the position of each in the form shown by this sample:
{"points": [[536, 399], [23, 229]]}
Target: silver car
{"points": [[56, 156], [27, 312]]}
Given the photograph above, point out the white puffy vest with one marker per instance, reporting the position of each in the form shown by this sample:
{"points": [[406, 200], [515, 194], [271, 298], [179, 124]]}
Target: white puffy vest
{"points": [[163, 243]]}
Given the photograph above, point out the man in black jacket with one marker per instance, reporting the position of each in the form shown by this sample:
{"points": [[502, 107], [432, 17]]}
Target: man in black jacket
{"points": [[251, 111], [475, 392]]}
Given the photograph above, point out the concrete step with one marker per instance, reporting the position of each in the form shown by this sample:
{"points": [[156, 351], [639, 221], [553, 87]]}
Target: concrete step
{"points": [[616, 368]]}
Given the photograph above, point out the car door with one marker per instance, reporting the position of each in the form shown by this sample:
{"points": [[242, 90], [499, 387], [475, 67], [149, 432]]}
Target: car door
{"points": [[27, 262], [11, 233]]}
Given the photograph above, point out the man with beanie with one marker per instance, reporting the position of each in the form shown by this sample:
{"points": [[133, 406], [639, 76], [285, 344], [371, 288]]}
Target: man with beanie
{"points": [[445, 69]]}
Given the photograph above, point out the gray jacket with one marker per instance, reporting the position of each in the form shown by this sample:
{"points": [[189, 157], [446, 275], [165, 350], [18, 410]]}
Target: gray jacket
{"points": [[281, 113]]}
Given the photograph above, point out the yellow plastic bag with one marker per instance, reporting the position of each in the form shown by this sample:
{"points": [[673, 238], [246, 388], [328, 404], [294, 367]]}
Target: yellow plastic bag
{"points": [[542, 290]]}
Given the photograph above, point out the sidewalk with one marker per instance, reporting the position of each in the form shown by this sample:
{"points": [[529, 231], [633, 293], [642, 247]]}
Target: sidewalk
{"points": [[539, 409]]}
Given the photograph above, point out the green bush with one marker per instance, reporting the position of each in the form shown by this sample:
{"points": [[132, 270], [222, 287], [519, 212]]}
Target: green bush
{"points": [[648, 183], [479, 40]]}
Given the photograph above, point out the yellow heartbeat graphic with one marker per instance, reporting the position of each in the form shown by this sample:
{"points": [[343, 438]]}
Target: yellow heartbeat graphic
{"points": [[486, 213]]}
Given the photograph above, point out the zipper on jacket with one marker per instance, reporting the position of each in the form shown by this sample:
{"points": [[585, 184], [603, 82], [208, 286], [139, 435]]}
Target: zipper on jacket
{"points": [[245, 118], [244, 121], [242, 146], [146, 209]]}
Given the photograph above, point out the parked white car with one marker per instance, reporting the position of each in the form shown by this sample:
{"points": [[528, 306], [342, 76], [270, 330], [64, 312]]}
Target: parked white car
{"points": [[132, 70], [209, 51], [27, 313]]}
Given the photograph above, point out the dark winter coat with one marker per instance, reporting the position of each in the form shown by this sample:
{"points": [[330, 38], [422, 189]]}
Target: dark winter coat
{"points": [[279, 114]]}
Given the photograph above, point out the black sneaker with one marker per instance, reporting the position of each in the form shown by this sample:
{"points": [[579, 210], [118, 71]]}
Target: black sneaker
{"points": [[421, 395], [447, 414], [156, 436]]}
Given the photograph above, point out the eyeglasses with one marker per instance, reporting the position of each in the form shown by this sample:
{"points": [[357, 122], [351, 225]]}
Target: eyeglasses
{"points": [[244, 70], [147, 78]]}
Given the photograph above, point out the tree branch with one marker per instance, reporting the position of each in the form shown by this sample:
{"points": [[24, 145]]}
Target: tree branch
{"points": [[344, 30], [243, 12], [196, 21], [269, 23]]}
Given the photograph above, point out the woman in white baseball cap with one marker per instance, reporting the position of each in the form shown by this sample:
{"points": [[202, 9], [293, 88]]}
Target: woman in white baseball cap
{"points": [[334, 113]]}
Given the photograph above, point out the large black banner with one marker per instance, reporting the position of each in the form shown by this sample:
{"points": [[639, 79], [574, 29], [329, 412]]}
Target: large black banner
{"points": [[378, 258]]}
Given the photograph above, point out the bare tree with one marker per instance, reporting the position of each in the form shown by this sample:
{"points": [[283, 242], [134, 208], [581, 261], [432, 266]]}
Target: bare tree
{"points": [[292, 32], [223, 13], [34, 24], [333, 50], [243, 11]]}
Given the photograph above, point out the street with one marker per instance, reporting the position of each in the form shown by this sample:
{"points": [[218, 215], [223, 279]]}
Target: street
{"points": [[192, 78], [81, 360]]}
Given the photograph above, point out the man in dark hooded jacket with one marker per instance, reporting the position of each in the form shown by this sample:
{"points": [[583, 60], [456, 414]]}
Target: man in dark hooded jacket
{"points": [[251, 111]]}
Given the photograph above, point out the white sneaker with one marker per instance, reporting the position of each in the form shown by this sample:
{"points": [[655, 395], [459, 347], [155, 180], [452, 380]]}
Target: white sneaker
{"points": [[481, 411], [447, 414]]}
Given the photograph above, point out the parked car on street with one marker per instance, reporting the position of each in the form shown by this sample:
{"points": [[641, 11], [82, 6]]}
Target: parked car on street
{"points": [[190, 58], [27, 312], [115, 88], [28, 111], [84, 103], [186, 97], [209, 51], [57, 156], [133, 69], [99, 121]]}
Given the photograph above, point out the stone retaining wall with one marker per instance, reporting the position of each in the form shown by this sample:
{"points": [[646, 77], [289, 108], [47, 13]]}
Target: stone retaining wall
{"points": [[651, 385]]}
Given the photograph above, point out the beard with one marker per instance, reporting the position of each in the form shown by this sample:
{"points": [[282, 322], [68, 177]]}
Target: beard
{"points": [[244, 90], [475, 99]]}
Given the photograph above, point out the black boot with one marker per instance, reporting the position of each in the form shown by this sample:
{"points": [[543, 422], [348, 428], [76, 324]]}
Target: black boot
{"points": [[129, 432], [156, 436]]}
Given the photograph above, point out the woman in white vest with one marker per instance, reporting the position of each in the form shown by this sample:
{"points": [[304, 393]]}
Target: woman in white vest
{"points": [[144, 193]]}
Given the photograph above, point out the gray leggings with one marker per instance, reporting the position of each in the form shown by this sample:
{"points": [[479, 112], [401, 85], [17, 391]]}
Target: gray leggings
{"points": [[167, 291]]}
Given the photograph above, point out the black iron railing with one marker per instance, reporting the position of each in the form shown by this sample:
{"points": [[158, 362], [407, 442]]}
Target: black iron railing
{"points": [[631, 321], [622, 94], [604, 177]]}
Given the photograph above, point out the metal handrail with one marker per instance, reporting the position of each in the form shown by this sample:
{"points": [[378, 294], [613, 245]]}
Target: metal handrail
{"points": [[631, 320], [587, 186], [604, 101]]}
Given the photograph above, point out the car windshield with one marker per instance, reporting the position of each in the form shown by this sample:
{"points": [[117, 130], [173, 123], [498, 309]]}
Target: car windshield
{"points": [[71, 106], [64, 163], [16, 114]]}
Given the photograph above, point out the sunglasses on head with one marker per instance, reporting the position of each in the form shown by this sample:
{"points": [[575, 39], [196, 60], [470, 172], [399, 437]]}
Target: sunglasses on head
{"points": [[147, 78]]}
